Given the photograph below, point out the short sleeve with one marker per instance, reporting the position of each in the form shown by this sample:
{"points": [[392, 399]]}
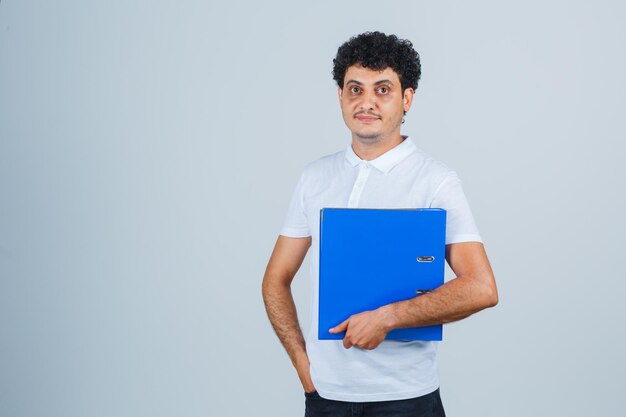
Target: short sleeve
{"points": [[296, 224], [460, 225]]}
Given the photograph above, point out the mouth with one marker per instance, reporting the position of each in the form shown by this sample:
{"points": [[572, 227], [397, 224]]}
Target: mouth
{"points": [[366, 118]]}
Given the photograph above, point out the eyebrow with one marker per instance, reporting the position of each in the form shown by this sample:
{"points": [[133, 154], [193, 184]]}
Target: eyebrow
{"points": [[376, 83]]}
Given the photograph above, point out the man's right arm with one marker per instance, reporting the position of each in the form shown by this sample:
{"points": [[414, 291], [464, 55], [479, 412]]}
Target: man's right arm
{"points": [[285, 261]]}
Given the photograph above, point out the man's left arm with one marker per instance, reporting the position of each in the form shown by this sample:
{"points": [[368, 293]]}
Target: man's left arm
{"points": [[473, 290]]}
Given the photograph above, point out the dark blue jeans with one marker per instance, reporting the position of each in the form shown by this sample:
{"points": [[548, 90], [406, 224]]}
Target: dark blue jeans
{"points": [[428, 405]]}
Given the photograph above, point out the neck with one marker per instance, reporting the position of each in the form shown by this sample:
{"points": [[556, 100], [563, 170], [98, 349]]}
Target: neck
{"points": [[372, 150]]}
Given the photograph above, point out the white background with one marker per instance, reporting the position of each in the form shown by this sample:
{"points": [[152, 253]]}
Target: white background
{"points": [[148, 151]]}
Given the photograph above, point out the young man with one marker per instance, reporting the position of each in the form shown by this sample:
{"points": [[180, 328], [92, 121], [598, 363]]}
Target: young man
{"points": [[364, 374]]}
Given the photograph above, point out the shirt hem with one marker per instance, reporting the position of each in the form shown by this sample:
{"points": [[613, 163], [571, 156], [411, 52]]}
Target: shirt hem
{"points": [[384, 396], [465, 238], [288, 232]]}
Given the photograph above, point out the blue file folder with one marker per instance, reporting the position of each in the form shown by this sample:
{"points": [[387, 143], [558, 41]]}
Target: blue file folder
{"points": [[372, 257]]}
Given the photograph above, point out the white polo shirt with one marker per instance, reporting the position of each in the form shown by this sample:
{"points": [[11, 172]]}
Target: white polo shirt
{"points": [[403, 177]]}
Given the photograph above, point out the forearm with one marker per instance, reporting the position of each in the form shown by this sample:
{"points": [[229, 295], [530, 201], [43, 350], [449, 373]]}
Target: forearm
{"points": [[282, 313], [455, 300]]}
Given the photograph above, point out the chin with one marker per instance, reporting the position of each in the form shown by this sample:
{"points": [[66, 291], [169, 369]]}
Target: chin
{"points": [[367, 137]]}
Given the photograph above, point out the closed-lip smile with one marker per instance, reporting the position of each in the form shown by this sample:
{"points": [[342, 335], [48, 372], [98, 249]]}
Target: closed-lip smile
{"points": [[366, 117]]}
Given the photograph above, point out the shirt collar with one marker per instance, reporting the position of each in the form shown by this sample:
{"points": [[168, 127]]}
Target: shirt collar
{"points": [[386, 161]]}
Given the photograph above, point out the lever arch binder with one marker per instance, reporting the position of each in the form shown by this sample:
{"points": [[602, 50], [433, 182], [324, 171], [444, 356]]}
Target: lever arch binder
{"points": [[373, 257]]}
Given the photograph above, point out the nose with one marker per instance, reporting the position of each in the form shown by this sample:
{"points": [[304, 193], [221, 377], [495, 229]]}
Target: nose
{"points": [[368, 100]]}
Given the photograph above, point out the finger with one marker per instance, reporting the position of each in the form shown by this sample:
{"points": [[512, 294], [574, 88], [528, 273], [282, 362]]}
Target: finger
{"points": [[341, 327], [346, 343]]}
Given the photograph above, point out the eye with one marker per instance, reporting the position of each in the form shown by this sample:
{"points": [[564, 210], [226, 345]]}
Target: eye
{"points": [[355, 90], [383, 90]]}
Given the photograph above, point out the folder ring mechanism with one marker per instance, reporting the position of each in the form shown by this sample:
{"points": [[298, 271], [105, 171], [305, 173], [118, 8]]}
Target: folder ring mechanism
{"points": [[425, 258]]}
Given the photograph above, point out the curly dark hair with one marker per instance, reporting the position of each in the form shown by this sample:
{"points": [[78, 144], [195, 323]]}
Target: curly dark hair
{"points": [[377, 51]]}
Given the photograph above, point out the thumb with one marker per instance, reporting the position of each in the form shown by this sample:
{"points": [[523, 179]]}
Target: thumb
{"points": [[341, 327]]}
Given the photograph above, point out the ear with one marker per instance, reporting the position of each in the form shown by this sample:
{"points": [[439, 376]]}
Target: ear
{"points": [[339, 91], [407, 98]]}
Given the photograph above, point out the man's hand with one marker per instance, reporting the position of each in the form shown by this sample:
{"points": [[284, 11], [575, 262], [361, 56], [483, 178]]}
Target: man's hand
{"points": [[365, 330], [302, 367]]}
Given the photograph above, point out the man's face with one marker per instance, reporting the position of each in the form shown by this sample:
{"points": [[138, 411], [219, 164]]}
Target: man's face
{"points": [[373, 103]]}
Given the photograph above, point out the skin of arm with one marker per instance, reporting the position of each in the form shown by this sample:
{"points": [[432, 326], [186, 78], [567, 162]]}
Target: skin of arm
{"points": [[285, 261], [473, 290]]}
